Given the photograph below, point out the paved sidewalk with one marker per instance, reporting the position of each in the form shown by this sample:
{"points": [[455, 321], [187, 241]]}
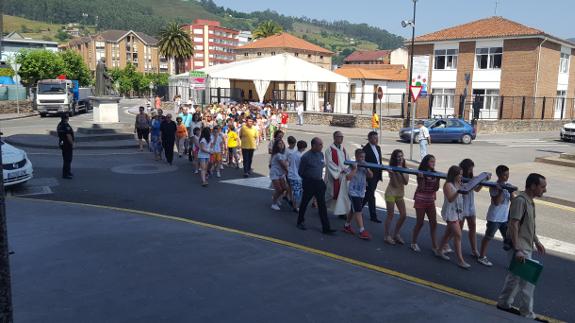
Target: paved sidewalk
{"points": [[81, 263], [12, 116]]}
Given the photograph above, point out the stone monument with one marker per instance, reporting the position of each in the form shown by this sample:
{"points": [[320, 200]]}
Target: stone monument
{"points": [[105, 104]]}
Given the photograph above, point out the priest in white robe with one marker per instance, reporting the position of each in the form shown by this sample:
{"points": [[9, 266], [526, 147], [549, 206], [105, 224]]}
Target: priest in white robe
{"points": [[336, 194]]}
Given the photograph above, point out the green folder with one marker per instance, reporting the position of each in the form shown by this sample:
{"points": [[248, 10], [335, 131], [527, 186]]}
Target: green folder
{"points": [[530, 270]]}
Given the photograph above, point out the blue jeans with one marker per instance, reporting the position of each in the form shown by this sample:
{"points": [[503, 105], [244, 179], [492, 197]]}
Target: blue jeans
{"points": [[423, 148], [300, 119]]}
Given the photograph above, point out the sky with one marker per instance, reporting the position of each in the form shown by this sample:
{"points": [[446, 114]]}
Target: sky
{"points": [[551, 16]]}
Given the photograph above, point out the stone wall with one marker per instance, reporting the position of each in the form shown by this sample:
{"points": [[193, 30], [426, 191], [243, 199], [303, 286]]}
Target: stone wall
{"points": [[502, 126], [346, 120], [11, 106]]}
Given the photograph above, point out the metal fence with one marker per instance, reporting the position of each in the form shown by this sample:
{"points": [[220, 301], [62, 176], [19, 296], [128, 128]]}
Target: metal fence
{"points": [[496, 107], [487, 107]]}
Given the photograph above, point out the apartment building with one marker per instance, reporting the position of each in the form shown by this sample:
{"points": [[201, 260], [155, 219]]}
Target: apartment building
{"points": [[508, 70], [120, 47], [213, 44], [285, 43]]}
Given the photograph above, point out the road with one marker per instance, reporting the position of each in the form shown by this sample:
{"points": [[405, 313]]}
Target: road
{"points": [[130, 179]]}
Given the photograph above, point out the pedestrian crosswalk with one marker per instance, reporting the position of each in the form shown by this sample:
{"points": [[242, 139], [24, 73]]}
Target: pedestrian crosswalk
{"points": [[524, 142]]}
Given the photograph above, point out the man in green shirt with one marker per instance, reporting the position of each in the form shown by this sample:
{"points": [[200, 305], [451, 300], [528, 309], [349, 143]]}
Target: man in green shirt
{"points": [[521, 231]]}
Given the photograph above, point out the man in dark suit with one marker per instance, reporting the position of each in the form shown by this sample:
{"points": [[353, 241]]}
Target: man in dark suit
{"points": [[372, 155]]}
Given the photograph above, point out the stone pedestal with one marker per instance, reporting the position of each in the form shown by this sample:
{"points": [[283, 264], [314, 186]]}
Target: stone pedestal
{"points": [[105, 109]]}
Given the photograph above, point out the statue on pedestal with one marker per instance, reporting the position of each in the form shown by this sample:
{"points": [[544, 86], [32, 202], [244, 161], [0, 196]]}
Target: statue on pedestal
{"points": [[103, 79]]}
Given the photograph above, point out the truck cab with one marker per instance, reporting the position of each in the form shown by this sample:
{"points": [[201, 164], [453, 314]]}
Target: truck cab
{"points": [[61, 96]]}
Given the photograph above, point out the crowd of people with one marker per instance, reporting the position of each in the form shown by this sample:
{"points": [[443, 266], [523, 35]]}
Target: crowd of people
{"points": [[229, 134]]}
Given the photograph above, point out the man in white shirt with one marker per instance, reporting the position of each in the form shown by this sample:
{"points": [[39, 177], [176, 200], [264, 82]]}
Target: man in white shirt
{"points": [[424, 138], [299, 111]]}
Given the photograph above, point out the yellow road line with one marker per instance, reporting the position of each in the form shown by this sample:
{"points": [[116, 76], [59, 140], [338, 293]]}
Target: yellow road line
{"points": [[555, 205], [355, 262]]}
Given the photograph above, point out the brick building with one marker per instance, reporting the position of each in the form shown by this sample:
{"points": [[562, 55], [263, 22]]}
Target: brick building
{"points": [[513, 71], [285, 43], [213, 44], [120, 47]]}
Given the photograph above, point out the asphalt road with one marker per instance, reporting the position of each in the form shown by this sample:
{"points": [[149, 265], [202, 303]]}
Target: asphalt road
{"points": [[130, 179]]}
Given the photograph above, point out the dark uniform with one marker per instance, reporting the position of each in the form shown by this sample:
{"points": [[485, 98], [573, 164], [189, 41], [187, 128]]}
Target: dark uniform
{"points": [[64, 129]]}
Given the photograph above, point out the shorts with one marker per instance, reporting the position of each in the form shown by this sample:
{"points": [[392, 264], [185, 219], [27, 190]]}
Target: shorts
{"points": [[356, 203], [393, 199], [204, 160], [216, 157], [296, 188], [232, 151], [143, 133], [492, 227]]}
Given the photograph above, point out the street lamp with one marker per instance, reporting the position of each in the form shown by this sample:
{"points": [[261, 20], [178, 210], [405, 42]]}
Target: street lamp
{"points": [[411, 110]]}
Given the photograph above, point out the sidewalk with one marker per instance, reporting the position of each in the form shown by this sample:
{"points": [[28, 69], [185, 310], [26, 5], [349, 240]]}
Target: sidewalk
{"points": [[12, 116], [82, 263]]}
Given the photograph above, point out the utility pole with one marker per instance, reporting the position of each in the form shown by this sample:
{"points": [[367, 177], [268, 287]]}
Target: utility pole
{"points": [[6, 315]]}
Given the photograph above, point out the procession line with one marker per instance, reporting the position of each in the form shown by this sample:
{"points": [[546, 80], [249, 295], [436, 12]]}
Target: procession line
{"points": [[362, 264]]}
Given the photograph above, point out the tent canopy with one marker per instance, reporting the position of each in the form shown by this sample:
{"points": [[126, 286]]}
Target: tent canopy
{"points": [[282, 68]]}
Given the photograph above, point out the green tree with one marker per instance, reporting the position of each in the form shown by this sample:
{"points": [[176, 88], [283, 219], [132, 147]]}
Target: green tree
{"points": [[62, 36], [39, 64], [75, 68], [6, 71], [266, 29], [175, 43]]}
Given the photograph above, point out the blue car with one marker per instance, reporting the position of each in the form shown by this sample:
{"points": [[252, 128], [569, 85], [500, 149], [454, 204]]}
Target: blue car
{"points": [[443, 130]]}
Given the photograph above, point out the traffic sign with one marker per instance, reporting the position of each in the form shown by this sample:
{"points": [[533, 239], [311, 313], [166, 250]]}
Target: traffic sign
{"points": [[379, 93], [415, 92]]}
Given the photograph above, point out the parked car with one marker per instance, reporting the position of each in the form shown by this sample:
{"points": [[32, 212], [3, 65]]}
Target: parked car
{"points": [[17, 167], [443, 130], [568, 131]]}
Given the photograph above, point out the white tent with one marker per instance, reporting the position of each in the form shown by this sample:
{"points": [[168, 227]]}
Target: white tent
{"points": [[278, 68]]}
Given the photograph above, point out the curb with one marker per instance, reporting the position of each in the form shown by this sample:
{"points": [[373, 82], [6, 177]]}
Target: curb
{"points": [[19, 117], [556, 161], [55, 147]]}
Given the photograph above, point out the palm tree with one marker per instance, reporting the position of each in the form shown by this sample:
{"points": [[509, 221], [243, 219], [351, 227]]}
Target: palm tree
{"points": [[266, 29], [175, 43]]}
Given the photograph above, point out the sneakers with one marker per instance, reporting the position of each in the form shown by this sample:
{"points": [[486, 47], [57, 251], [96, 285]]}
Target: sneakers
{"points": [[415, 247], [196, 171], [389, 240], [464, 265], [222, 167], [364, 235], [348, 229], [484, 261], [447, 249], [440, 254], [218, 175], [276, 207], [399, 240]]}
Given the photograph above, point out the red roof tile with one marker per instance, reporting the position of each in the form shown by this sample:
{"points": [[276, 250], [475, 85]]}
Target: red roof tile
{"points": [[367, 55], [493, 27], [284, 40]]}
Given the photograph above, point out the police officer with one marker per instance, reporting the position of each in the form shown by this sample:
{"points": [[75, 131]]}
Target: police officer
{"points": [[66, 142]]}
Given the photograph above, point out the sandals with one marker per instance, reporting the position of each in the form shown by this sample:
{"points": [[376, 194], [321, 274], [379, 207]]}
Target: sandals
{"points": [[389, 240], [398, 240]]}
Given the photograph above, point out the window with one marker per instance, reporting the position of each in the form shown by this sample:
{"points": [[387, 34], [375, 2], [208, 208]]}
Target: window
{"points": [[308, 55], [352, 90], [489, 58], [443, 98], [296, 54], [259, 53], [564, 63], [198, 31], [273, 53], [246, 54], [321, 57], [446, 59]]}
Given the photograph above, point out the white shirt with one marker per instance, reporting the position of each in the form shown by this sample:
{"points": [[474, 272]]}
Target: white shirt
{"points": [[300, 109], [374, 148], [423, 133]]}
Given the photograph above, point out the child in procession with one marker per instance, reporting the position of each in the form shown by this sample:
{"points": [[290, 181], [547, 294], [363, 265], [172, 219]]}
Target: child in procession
{"points": [[357, 177]]}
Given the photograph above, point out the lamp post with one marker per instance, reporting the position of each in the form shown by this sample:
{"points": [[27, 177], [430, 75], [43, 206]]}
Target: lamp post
{"points": [[6, 314], [411, 106]]}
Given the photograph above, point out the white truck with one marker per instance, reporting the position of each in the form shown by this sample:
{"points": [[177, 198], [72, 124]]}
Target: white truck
{"points": [[60, 96]]}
